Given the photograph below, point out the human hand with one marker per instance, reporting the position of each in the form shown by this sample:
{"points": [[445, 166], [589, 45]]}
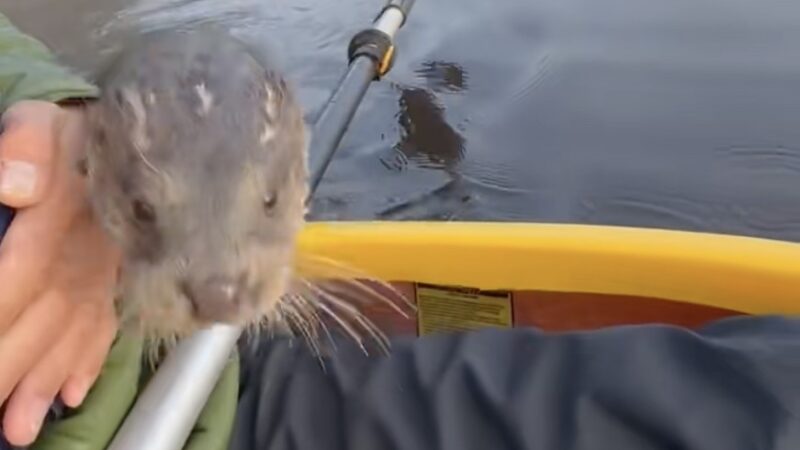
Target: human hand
{"points": [[57, 269], [94, 424]]}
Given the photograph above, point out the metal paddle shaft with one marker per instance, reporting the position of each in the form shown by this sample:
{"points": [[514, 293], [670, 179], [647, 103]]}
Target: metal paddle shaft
{"points": [[170, 404], [370, 51]]}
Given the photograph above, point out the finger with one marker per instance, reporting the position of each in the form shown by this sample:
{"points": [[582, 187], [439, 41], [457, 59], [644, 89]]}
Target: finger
{"points": [[30, 401], [29, 249], [33, 396], [35, 236], [36, 331], [27, 152], [90, 362], [109, 401], [27, 253]]}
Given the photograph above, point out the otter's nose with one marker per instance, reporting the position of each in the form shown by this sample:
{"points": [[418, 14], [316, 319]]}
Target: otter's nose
{"points": [[214, 298]]}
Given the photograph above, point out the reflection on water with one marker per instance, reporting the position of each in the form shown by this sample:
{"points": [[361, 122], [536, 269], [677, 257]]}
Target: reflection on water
{"points": [[427, 138], [443, 76], [680, 114]]}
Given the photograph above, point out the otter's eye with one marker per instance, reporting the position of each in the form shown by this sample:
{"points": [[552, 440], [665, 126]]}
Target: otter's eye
{"points": [[143, 211], [270, 200]]}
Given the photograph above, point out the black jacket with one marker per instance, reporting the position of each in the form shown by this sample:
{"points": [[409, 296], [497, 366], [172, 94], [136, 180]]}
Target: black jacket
{"points": [[734, 385]]}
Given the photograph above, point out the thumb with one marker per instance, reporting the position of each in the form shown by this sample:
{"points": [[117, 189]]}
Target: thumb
{"points": [[28, 143]]}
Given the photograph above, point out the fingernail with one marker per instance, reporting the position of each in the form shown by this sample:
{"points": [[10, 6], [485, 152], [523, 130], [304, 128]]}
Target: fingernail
{"points": [[17, 178], [36, 412]]}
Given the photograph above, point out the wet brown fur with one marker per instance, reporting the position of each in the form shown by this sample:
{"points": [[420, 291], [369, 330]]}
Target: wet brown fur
{"points": [[211, 139], [177, 129]]}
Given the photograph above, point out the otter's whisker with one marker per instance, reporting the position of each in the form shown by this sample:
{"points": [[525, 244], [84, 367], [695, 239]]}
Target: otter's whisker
{"points": [[307, 305], [272, 328], [253, 333], [298, 321], [277, 323], [351, 312], [356, 315], [363, 286], [323, 265], [376, 333], [350, 331]]}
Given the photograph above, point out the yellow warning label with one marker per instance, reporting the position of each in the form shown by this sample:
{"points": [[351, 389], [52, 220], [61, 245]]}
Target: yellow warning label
{"points": [[460, 309]]}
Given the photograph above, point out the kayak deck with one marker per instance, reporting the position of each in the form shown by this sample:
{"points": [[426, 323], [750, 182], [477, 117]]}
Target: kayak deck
{"points": [[559, 277]]}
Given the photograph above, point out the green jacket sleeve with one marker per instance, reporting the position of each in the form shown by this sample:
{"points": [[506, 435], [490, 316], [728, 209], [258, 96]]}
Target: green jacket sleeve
{"points": [[29, 71]]}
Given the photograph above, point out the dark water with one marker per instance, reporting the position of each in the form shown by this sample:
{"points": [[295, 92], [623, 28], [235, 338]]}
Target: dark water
{"points": [[679, 114]]}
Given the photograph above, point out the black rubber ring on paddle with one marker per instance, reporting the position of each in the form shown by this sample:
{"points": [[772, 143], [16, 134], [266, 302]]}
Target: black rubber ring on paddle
{"points": [[376, 45]]}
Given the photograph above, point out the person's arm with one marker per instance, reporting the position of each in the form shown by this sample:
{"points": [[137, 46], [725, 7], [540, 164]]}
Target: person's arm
{"points": [[731, 385], [29, 71]]}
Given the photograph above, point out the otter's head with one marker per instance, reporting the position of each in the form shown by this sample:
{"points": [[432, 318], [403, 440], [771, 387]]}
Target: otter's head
{"points": [[197, 168]]}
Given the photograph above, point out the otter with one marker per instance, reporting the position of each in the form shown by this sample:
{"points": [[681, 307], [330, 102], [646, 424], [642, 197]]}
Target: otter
{"points": [[196, 166]]}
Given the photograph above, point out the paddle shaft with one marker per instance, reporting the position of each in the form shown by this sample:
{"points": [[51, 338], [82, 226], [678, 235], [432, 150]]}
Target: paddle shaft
{"points": [[168, 407], [338, 112]]}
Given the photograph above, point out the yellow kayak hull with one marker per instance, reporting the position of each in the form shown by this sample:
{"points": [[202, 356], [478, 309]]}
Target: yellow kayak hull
{"points": [[725, 273]]}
